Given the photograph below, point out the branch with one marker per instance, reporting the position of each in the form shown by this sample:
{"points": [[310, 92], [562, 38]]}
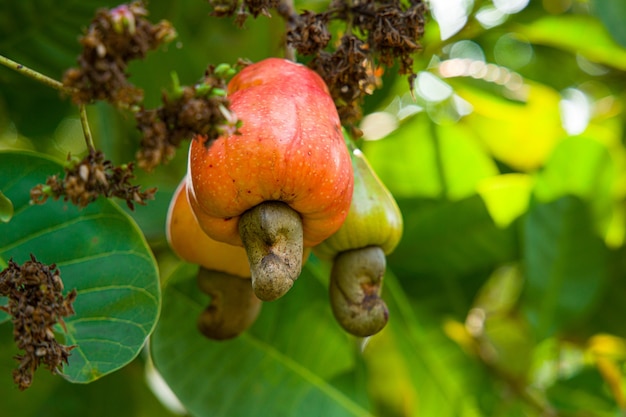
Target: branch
{"points": [[37, 76]]}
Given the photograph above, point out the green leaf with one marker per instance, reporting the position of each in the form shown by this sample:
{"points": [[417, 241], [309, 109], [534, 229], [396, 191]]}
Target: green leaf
{"points": [[506, 196], [450, 239], [520, 134], [414, 368], [6, 208], [430, 160], [581, 167], [282, 366], [582, 393], [413, 170], [612, 13], [99, 252], [577, 34], [566, 264], [126, 393]]}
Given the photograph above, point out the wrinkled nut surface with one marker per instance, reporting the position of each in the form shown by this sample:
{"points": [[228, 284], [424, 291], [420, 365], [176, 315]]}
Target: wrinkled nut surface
{"points": [[273, 238], [355, 284], [233, 308]]}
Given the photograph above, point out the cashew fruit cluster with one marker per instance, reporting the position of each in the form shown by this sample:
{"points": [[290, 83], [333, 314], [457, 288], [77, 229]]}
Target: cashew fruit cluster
{"points": [[255, 201]]}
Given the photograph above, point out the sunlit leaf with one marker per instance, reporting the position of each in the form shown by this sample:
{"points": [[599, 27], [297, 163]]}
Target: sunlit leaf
{"points": [[413, 170], [99, 252], [577, 33], [464, 161], [565, 264], [430, 160], [506, 196], [282, 366], [521, 135]]}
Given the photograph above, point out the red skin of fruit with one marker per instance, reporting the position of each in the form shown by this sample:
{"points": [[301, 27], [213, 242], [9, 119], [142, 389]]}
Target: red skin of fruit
{"points": [[290, 149]]}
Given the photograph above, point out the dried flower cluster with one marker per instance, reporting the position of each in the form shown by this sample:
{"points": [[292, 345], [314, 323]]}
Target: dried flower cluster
{"points": [[114, 38], [90, 178], [379, 33], [243, 9], [198, 110], [36, 304]]}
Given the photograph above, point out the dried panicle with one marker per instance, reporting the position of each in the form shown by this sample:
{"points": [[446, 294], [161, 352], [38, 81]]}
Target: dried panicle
{"points": [[349, 74], [198, 110], [114, 38], [91, 178], [378, 33], [36, 304], [392, 32], [308, 32], [228, 8]]}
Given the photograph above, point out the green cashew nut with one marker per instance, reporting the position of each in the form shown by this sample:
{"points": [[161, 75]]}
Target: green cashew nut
{"points": [[233, 309], [355, 285], [272, 235]]}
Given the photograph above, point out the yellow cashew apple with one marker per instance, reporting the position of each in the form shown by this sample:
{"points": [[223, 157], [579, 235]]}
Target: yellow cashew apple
{"points": [[224, 272]]}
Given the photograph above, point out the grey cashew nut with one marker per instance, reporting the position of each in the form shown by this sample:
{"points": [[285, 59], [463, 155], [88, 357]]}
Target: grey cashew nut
{"points": [[355, 285], [273, 238], [233, 308]]}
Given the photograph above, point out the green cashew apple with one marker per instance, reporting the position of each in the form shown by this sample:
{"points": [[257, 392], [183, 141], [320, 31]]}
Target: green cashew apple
{"points": [[372, 229]]}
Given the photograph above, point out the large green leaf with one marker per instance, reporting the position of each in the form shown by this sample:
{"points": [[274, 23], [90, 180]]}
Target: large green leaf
{"points": [[566, 264], [99, 252], [42, 35], [281, 367], [121, 394], [582, 167], [414, 362], [443, 238]]}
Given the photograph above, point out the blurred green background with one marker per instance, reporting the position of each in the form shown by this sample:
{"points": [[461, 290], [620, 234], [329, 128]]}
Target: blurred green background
{"points": [[507, 294]]}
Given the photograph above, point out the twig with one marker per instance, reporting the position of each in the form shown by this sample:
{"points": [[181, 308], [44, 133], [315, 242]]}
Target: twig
{"points": [[86, 131], [287, 11], [37, 76]]}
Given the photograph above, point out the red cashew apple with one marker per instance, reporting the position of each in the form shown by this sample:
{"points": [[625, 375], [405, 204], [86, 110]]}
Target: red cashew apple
{"points": [[284, 182], [224, 272]]}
